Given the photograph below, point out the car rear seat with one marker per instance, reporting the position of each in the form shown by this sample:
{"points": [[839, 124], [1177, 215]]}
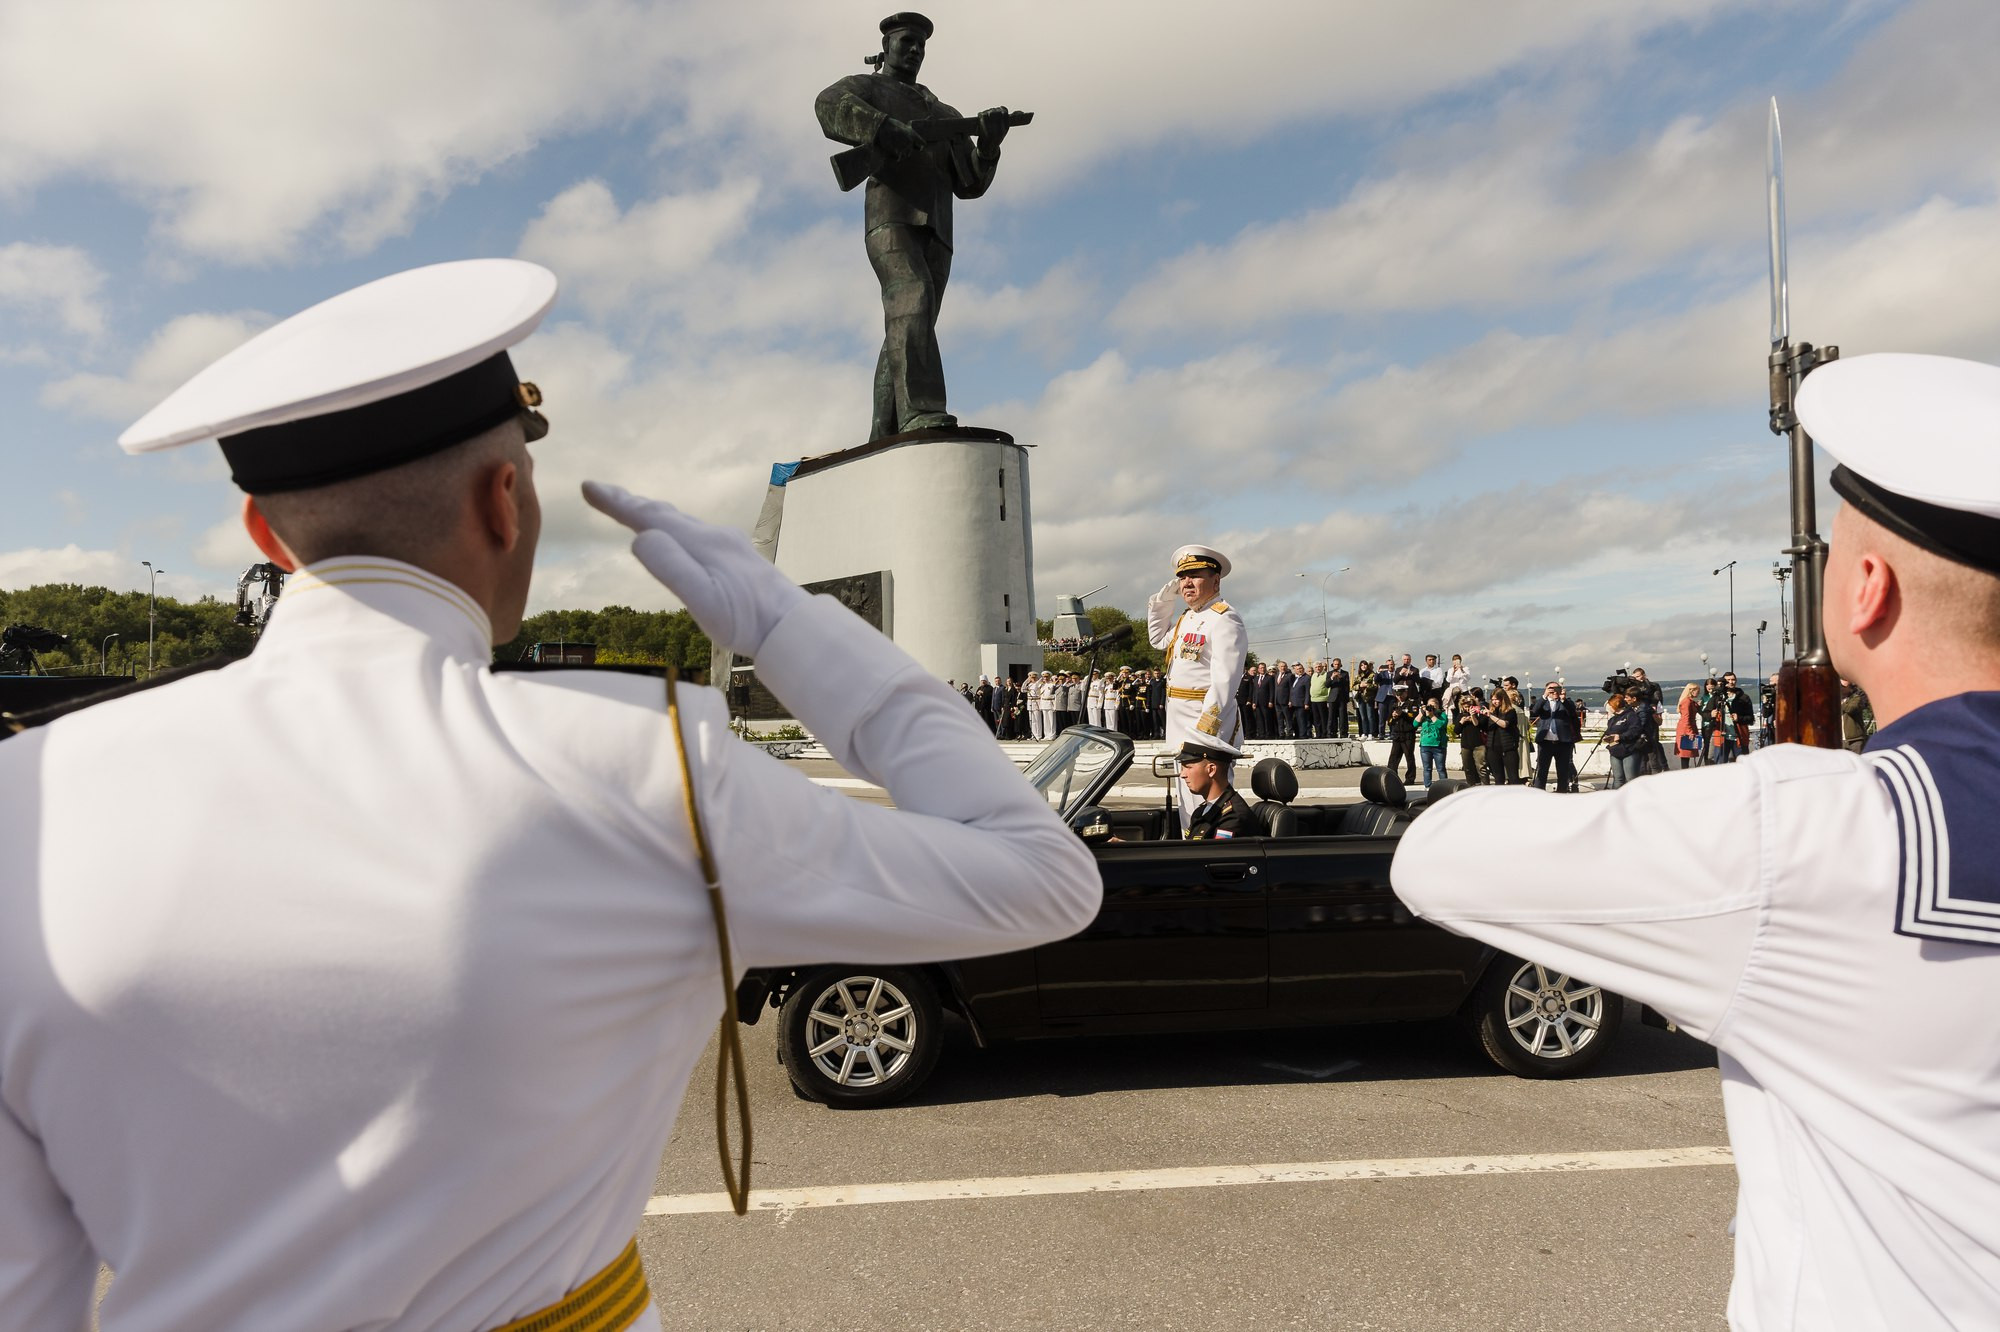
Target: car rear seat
{"points": [[1384, 807], [1275, 785]]}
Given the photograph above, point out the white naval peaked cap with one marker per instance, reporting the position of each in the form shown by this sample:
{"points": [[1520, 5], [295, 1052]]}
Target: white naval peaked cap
{"points": [[1194, 556], [386, 373], [1918, 443]]}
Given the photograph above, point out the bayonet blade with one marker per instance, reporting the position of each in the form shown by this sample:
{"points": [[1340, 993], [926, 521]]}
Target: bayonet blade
{"points": [[1774, 179]]}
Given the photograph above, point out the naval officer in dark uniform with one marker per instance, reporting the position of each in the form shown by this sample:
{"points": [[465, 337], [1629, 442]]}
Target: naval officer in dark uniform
{"points": [[1220, 813], [908, 214]]}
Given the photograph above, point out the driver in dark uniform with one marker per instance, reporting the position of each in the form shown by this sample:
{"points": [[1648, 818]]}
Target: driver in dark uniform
{"points": [[1221, 812]]}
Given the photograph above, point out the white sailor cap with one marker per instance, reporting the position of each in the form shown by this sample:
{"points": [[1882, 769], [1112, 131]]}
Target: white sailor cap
{"points": [[396, 370], [1918, 443], [1193, 559]]}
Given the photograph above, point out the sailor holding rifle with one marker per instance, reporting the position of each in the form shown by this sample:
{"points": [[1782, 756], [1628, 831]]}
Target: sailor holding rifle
{"points": [[404, 1050], [1829, 921]]}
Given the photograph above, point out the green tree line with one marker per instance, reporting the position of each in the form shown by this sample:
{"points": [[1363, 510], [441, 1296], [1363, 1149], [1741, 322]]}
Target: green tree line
{"points": [[190, 631], [184, 631], [623, 636]]}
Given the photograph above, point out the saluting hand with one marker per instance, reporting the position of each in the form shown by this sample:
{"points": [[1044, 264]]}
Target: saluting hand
{"points": [[734, 594]]}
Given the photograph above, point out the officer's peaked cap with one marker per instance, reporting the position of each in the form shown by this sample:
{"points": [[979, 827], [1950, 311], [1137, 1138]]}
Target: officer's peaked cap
{"points": [[1215, 751], [1194, 559]]}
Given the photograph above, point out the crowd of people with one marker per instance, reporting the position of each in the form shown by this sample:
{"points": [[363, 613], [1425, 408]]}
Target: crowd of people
{"points": [[1040, 705], [1500, 735]]}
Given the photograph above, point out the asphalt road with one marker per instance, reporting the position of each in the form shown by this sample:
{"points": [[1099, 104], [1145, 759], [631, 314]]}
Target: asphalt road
{"points": [[1639, 1248], [1527, 1245]]}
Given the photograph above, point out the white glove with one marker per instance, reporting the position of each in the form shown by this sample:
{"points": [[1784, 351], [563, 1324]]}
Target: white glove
{"points": [[1170, 591], [734, 594]]}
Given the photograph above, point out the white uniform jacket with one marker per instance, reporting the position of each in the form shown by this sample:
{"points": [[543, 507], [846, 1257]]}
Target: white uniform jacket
{"points": [[1206, 649], [357, 986], [1757, 904]]}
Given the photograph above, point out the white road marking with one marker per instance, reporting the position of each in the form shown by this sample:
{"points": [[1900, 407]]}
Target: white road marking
{"points": [[787, 1201]]}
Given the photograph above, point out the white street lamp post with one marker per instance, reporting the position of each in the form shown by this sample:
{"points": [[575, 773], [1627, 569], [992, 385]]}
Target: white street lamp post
{"points": [[104, 655], [1325, 637], [152, 599]]}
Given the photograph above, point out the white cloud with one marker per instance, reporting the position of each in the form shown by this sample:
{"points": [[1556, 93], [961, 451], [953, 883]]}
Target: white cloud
{"points": [[60, 282], [246, 126], [227, 547], [92, 568], [609, 259], [1508, 209], [172, 356], [1107, 79], [249, 128]]}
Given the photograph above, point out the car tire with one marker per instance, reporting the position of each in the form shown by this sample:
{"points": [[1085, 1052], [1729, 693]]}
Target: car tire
{"points": [[860, 1037], [1537, 1022]]}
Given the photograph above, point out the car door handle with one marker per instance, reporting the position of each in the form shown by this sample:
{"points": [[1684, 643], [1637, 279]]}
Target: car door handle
{"points": [[1229, 873]]}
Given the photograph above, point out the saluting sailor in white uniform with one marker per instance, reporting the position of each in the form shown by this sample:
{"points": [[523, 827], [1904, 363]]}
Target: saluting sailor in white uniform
{"points": [[403, 1051], [1829, 921], [1206, 646]]}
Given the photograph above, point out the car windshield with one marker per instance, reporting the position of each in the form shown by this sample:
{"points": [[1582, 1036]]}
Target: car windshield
{"points": [[1065, 770]]}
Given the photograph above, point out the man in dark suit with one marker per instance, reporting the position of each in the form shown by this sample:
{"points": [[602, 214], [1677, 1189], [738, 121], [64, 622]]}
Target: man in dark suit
{"points": [[1246, 705], [1338, 684], [1260, 702], [1557, 727], [1301, 703], [1281, 702]]}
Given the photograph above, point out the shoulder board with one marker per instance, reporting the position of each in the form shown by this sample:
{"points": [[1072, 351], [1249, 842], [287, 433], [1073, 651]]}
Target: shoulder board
{"points": [[1219, 607]]}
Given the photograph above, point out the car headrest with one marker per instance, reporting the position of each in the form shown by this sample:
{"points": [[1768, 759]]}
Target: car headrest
{"points": [[1273, 779], [1441, 788], [1381, 786]]}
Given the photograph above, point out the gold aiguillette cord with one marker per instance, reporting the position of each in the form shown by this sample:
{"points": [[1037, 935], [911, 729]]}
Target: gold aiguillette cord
{"points": [[729, 1047]]}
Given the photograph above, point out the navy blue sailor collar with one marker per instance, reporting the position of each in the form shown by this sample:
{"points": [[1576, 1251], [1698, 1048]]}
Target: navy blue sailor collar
{"points": [[1941, 767]]}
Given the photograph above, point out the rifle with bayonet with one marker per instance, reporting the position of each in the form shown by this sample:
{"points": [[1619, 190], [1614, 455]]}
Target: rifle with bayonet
{"points": [[855, 165], [1808, 692]]}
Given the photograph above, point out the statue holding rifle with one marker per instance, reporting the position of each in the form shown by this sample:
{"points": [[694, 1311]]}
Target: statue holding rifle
{"points": [[916, 153]]}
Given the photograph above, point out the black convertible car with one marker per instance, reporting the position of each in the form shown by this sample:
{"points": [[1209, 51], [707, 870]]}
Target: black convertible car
{"points": [[1294, 927]]}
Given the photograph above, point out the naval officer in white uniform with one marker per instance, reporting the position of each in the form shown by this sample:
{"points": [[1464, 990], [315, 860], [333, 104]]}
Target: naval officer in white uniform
{"points": [[1206, 646], [403, 1049], [1829, 921]]}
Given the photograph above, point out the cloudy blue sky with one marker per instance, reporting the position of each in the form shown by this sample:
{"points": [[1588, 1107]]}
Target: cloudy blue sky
{"points": [[1468, 297]]}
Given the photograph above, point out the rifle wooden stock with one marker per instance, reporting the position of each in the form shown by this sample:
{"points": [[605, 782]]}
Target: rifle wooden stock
{"points": [[855, 165], [1808, 706]]}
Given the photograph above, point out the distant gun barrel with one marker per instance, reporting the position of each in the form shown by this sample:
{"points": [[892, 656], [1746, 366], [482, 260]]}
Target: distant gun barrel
{"points": [[855, 165]]}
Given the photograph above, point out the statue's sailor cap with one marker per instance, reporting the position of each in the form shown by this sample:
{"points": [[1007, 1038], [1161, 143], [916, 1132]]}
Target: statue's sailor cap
{"points": [[1214, 751], [907, 19], [1194, 559], [1918, 443], [396, 370]]}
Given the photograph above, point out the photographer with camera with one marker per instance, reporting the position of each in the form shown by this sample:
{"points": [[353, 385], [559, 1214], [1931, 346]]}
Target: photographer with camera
{"points": [[1432, 727], [1625, 735], [1470, 719], [1503, 735], [1728, 713], [1402, 728], [1558, 725]]}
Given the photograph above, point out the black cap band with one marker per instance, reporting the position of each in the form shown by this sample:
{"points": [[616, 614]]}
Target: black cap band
{"points": [[376, 436], [1971, 539]]}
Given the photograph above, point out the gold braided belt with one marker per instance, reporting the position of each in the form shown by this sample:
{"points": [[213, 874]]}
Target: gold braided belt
{"points": [[1175, 691], [608, 1302]]}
